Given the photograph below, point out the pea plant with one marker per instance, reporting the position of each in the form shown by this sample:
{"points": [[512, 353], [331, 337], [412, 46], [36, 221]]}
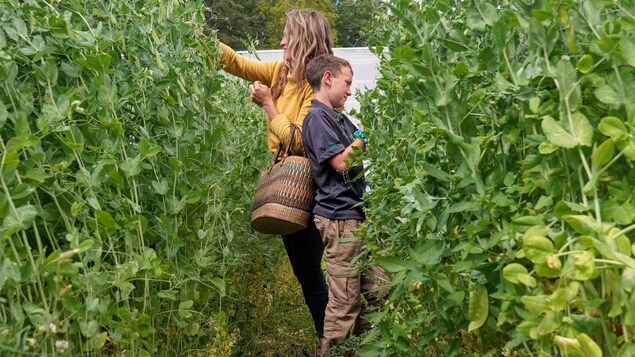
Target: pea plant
{"points": [[501, 196], [118, 190]]}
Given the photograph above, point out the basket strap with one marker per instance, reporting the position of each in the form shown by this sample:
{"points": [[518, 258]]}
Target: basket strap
{"points": [[292, 135], [276, 155], [287, 149]]}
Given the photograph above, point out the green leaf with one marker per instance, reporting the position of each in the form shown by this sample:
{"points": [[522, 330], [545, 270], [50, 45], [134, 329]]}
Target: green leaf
{"points": [[544, 270], [603, 153], [541, 14], [22, 127], [105, 219], [9, 271], [148, 149], [161, 187], [524, 223], [589, 346], [461, 69], [569, 347], [536, 304], [184, 309], [627, 350], [534, 105], [585, 63], [16, 30], [220, 285], [9, 163], [21, 191], [184, 305], [628, 280], [444, 282], [629, 150], [392, 264], [435, 172], [584, 266], [46, 74], [613, 127], [583, 224], [460, 207], [623, 245], [85, 245], [559, 299], [537, 248], [567, 83], [511, 272], [131, 166], [455, 44], [547, 147], [527, 280], [98, 341], [564, 208], [606, 95], [22, 218], [582, 130], [88, 328], [556, 133], [3, 114], [627, 47], [549, 323], [21, 142], [543, 202], [620, 213], [9, 72], [480, 14], [478, 308], [91, 62]]}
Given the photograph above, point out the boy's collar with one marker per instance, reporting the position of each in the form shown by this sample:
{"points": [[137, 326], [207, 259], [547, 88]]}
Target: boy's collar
{"points": [[319, 103]]}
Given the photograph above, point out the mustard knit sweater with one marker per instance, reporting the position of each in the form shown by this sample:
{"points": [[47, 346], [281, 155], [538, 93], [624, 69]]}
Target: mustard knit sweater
{"points": [[292, 105]]}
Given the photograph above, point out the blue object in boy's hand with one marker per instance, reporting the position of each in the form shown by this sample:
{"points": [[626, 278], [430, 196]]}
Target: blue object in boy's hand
{"points": [[358, 134]]}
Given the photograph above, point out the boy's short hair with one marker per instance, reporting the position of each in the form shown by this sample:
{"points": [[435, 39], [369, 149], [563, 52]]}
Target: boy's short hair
{"points": [[322, 63]]}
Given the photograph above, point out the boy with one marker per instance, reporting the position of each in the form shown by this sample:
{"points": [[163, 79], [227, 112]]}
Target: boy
{"points": [[330, 140]]}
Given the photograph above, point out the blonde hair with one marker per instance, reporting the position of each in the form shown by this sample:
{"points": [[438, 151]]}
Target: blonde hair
{"points": [[308, 35]]}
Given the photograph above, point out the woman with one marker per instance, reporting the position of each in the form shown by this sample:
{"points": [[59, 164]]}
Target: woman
{"points": [[281, 90]]}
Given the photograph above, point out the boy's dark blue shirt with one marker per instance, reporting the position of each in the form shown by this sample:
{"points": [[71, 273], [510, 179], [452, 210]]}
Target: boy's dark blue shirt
{"points": [[325, 134]]}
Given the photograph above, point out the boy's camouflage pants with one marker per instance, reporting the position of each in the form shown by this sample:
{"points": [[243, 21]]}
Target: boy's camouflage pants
{"points": [[346, 284]]}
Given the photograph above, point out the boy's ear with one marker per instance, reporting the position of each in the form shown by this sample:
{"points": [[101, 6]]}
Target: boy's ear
{"points": [[327, 77]]}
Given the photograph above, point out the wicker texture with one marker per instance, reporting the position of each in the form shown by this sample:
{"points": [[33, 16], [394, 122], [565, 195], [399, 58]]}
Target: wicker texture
{"points": [[285, 194]]}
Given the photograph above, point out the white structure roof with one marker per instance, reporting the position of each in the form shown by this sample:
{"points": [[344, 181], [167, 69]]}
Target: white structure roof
{"points": [[365, 67]]}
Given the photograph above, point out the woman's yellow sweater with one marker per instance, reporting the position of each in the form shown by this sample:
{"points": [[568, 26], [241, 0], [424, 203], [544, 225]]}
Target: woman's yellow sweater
{"points": [[292, 105]]}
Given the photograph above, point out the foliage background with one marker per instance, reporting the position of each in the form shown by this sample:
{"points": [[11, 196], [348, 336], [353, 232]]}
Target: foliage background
{"points": [[500, 169], [239, 22], [502, 156], [124, 227]]}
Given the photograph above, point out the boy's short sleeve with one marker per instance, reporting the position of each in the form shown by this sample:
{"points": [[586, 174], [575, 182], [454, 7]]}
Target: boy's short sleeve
{"points": [[322, 137]]}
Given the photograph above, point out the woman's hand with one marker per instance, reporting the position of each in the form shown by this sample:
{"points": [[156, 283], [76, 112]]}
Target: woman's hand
{"points": [[197, 31], [261, 95]]}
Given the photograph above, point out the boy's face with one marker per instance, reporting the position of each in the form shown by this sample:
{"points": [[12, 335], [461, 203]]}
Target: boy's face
{"points": [[340, 87]]}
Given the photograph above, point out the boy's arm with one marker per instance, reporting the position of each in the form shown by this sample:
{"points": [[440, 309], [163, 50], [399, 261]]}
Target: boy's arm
{"points": [[327, 145], [338, 161]]}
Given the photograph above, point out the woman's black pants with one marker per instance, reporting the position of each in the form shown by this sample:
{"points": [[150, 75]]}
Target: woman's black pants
{"points": [[305, 250]]}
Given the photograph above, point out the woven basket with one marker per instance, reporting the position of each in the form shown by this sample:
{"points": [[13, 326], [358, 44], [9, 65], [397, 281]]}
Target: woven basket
{"points": [[285, 194]]}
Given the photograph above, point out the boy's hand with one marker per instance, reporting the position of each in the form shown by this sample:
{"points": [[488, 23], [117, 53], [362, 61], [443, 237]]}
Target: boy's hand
{"points": [[359, 134]]}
